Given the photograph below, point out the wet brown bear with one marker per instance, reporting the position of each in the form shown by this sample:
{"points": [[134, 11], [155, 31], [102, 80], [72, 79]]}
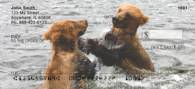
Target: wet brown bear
{"points": [[68, 67], [121, 46]]}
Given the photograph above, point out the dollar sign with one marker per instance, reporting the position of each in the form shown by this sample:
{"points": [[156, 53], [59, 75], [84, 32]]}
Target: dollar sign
{"points": [[146, 35]]}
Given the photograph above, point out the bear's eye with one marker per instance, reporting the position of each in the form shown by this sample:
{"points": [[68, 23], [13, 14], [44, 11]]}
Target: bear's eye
{"points": [[119, 10], [61, 30], [128, 15]]}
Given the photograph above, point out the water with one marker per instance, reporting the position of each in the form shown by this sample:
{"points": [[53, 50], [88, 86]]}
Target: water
{"points": [[175, 68]]}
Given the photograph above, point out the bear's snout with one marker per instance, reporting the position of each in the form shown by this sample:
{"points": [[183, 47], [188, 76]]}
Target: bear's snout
{"points": [[114, 20], [65, 43], [111, 37], [120, 23]]}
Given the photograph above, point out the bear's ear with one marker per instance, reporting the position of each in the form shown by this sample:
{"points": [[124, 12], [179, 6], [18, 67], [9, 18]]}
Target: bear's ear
{"points": [[46, 35], [144, 20]]}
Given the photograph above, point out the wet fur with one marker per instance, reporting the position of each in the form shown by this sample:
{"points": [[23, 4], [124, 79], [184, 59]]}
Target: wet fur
{"points": [[128, 52], [68, 63]]}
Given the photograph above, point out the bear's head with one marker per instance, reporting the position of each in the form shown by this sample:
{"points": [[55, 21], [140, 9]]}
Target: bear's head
{"points": [[64, 34], [128, 18], [125, 23]]}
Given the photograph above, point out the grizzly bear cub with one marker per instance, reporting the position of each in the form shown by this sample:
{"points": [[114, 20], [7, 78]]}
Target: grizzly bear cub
{"points": [[121, 46], [68, 67]]}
